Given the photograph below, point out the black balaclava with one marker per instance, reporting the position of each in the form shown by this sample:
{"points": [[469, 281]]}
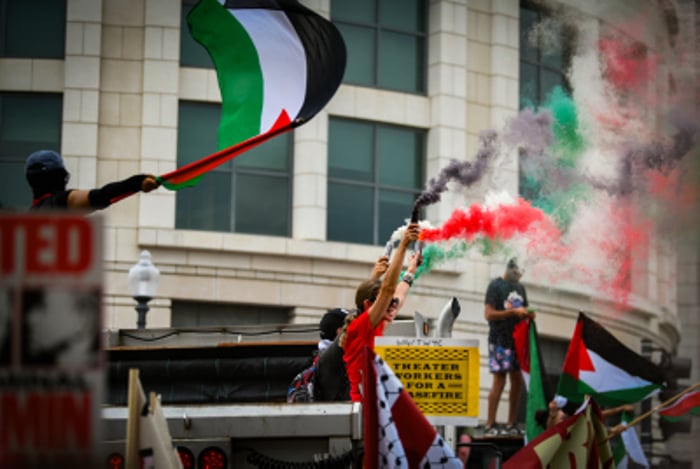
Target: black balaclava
{"points": [[45, 172]]}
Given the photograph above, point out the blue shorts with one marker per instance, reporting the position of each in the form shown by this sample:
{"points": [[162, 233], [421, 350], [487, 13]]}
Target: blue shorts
{"points": [[502, 359]]}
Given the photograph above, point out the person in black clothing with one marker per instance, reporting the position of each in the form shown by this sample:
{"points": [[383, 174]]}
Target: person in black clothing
{"points": [[505, 305], [48, 178], [330, 383]]}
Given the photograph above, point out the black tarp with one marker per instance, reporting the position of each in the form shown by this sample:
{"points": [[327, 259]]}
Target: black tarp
{"points": [[223, 374]]}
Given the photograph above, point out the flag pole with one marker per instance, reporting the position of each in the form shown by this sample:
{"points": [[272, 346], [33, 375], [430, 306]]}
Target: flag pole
{"points": [[206, 163], [369, 410], [655, 409], [132, 423]]}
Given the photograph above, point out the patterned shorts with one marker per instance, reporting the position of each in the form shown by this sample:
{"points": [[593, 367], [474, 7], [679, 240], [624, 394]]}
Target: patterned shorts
{"points": [[502, 359]]}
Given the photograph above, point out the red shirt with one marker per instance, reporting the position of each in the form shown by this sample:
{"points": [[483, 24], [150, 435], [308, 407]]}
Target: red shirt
{"points": [[359, 334]]}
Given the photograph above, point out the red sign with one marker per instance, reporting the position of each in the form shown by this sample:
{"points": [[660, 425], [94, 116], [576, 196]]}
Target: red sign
{"points": [[46, 245], [50, 366]]}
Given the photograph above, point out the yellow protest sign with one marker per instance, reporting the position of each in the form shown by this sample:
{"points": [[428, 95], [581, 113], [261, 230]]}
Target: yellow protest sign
{"points": [[440, 374]]}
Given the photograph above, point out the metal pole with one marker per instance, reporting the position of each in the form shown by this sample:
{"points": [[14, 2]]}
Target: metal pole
{"points": [[141, 310]]}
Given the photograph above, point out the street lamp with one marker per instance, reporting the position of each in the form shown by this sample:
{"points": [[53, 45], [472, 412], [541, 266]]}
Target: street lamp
{"points": [[143, 285]]}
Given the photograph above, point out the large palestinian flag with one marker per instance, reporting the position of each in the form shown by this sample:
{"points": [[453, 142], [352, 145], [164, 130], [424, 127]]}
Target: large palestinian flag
{"points": [[599, 365], [396, 433], [278, 63]]}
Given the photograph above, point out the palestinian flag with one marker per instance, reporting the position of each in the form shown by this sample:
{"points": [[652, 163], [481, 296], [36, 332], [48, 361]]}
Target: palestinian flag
{"points": [[599, 365], [396, 433], [278, 63], [579, 441], [628, 453], [687, 404], [538, 395]]}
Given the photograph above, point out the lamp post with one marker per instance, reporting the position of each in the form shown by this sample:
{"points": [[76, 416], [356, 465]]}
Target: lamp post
{"points": [[143, 285]]}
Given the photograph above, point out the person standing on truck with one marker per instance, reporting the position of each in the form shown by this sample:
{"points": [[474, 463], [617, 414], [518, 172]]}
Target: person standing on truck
{"points": [[377, 304], [505, 305], [48, 178]]}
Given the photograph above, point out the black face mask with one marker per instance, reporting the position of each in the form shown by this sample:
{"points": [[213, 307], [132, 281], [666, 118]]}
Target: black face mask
{"points": [[48, 182], [513, 275]]}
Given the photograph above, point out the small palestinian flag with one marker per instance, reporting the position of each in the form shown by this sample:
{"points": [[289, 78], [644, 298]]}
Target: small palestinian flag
{"points": [[628, 453], [599, 365], [687, 404]]}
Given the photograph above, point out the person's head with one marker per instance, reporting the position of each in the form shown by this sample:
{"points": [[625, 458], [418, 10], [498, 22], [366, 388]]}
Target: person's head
{"points": [[45, 172], [558, 410], [332, 323], [513, 271], [464, 451], [392, 310], [366, 294]]}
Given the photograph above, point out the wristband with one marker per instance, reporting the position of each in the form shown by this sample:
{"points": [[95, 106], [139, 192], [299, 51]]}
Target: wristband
{"points": [[408, 278]]}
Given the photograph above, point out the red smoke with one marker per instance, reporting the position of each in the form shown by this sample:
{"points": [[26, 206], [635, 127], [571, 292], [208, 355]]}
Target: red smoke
{"points": [[624, 247], [502, 223], [629, 252], [678, 197], [627, 65]]}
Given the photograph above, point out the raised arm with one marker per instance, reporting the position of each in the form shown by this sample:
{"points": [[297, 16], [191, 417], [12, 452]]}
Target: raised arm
{"points": [[391, 278], [406, 281], [112, 192]]}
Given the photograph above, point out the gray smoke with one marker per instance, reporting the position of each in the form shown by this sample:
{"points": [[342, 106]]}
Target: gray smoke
{"points": [[465, 173]]}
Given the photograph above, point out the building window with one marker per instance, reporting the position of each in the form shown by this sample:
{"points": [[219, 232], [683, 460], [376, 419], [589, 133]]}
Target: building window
{"points": [[249, 194], [192, 53], [386, 42], [543, 61], [199, 313], [375, 173], [545, 56], [553, 352], [26, 33], [28, 122]]}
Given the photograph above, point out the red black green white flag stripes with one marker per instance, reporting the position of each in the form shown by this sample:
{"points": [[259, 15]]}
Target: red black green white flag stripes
{"points": [[599, 365], [538, 395], [628, 452], [689, 403], [278, 64]]}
